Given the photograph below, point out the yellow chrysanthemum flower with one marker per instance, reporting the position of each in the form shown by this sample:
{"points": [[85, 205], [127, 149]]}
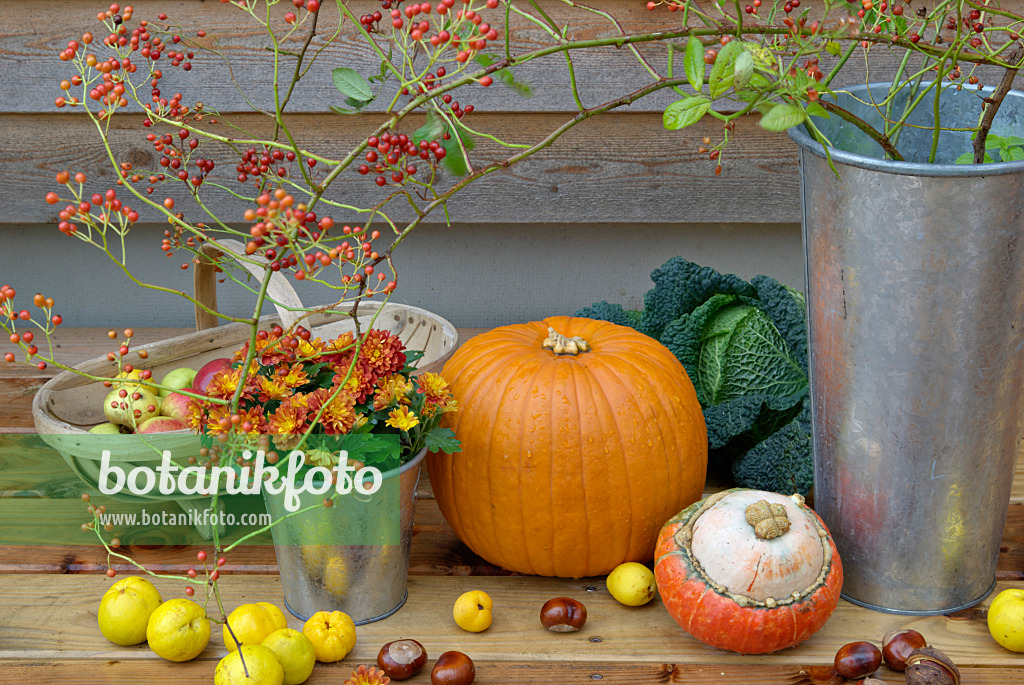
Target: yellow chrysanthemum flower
{"points": [[402, 419]]}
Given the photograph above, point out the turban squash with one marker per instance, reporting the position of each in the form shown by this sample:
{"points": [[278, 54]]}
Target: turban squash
{"points": [[749, 571], [579, 439]]}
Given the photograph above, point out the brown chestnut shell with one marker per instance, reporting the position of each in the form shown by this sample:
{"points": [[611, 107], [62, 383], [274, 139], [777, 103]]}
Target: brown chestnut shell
{"points": [[929, 666], [401, 659], [897, 646], [857, 660], [563, 615], [453, 668]]}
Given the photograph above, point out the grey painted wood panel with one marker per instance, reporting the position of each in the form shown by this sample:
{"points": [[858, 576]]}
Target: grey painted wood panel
{"points": [[473, 275]]}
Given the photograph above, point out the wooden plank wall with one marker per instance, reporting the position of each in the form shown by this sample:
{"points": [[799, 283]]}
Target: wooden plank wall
{"points": [[621, 168]]}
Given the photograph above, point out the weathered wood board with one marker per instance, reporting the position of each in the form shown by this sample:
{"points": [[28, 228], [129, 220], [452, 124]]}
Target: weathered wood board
{"points": [[618, 167]]}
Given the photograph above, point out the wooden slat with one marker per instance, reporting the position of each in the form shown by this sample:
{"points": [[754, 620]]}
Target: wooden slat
{"points": [[158, 672], [51, 618], [600, 73], [596, 173]]}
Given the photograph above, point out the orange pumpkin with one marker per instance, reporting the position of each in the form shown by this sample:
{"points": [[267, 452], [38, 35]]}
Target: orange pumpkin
{"points": [[579, 439], [749, 571]]}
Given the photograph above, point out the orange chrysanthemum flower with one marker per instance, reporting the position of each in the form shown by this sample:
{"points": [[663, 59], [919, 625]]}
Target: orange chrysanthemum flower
{"points": [[360, 382], [367, 676], [288, 419], [382, 353], [219, 415], [434, 388], [293, 377], [269, 389], [309, 349], [195, 419], [224, 383], [339, 413], [390, 390]]}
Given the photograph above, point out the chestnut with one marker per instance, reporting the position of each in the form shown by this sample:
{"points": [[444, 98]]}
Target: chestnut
{"points": [[857, 660], [453, 668], [929, 666], [897, 646], [401, 659], [563, 615]]}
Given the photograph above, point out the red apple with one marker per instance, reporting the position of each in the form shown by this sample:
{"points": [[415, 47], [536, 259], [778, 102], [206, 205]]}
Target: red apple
{"points": [[209, 370], [160, 424], [175, 406]]}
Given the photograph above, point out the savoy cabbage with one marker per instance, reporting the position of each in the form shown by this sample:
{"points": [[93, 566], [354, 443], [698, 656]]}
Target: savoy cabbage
{"points": [[744, 346]]}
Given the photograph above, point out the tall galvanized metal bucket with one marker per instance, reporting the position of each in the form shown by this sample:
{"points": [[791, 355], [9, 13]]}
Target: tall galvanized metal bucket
{"points": [[915, 292], [323, 570]]}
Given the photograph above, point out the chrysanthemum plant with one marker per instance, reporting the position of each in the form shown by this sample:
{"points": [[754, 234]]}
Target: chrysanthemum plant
{"points": [[724, 59]]}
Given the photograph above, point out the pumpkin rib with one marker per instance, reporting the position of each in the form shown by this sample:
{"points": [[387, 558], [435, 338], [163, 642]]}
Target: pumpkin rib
{"points": [[574, 402], [619, 528], [685, 417], [504, 526], [599, 389], [539, 404], [475, 538], [477, 380], [670, 442], [609, 373]]}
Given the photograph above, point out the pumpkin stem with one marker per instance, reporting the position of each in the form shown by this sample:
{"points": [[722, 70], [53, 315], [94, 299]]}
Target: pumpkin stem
{"points": [[561, 344], [769, 520]]}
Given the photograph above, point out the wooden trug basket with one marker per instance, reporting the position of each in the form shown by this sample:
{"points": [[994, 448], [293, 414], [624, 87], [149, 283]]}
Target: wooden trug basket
{"points": [[68, 405]]}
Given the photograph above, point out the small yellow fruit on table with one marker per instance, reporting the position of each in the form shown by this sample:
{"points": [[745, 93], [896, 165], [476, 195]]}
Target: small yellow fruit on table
{"points": [[1006, 619], [295, 652], [178, 630], [125, 610], [251, 623], [333, 635], [472, 611], [260, 662], [632, 584]]}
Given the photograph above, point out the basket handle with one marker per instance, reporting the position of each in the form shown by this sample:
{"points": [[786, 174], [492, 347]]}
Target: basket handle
{"points": [[204, 284]]}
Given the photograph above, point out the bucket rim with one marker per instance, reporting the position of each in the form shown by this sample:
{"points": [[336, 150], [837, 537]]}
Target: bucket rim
{"points": [[799, 135]]}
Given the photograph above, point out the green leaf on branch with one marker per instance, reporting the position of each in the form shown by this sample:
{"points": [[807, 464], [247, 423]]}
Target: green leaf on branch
{"points": [[505, 76], [685, 112], [968, 158], [455, 161], [352, 85], [693, 64], [357, 107], [441, 440], [815, 109], [432, 130], [742, 70], [832, 48], [762, 56], [720, 78], [782, 117]]}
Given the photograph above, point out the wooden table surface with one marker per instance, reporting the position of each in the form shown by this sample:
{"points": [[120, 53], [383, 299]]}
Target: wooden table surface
{"points": [[50, 594]]}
